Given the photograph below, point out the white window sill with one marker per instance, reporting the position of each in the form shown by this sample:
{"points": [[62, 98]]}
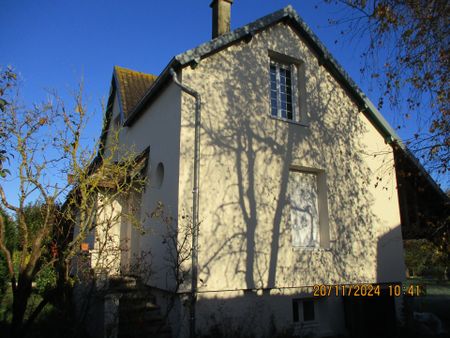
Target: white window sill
{"points": [[302, 124]]}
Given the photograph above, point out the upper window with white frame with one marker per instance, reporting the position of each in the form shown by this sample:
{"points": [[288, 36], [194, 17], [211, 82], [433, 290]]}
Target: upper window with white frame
{"points": [[282, 94]]}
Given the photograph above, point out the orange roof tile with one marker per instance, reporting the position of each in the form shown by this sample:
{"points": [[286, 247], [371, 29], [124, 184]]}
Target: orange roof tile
{"points": [[132, 87]]}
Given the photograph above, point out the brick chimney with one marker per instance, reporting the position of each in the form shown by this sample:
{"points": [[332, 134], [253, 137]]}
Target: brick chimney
{"points": [[221, 17]]}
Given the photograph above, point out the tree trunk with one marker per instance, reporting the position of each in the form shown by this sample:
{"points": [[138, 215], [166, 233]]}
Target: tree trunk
{"points": [[21, 296]]}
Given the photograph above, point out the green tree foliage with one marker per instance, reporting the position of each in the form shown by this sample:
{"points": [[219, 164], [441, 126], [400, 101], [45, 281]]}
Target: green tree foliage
{"points": [[422, 257], [408, 53]]}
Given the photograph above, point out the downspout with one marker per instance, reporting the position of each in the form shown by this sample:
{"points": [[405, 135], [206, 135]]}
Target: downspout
{"points": [[195, 200]]}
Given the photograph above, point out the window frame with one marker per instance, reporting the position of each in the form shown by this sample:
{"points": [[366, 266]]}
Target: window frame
{"points": [[314, 226], [298, 77], [293, 89], [325, 235], [298, 311]]}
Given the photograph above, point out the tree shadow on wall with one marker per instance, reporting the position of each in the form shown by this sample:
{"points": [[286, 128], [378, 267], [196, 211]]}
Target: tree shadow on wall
{"points": [[246, 156]]}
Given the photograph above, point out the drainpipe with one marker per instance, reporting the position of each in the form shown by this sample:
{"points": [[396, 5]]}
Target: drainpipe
{"points": [[195, 200]]}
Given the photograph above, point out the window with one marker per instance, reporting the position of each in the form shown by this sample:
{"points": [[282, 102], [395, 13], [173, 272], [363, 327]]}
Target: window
{"points": [[308, 208], [303, 310], [308, 310], [281, 90], [304, 209], [159, 175]]}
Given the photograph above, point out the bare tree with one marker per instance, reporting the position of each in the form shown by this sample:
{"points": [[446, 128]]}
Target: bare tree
{"points": [[78, 191], [177, 237], [408, 55]]}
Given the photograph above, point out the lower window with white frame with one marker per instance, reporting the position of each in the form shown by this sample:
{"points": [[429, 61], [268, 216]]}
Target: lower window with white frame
{"points": [[305, 317], [304, 208], [304, 310]]}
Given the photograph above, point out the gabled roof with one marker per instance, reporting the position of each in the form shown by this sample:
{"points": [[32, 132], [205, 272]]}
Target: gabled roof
{"points": [[246, 33], [288, 15], [132, 86]]}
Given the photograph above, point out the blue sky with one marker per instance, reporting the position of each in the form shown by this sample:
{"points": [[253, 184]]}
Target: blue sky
{"points": [[54, 43]]}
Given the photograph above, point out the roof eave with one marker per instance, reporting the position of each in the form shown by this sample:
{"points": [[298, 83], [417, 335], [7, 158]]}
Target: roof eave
{"points": [[108, 115], [288, 14], [120, 92]]}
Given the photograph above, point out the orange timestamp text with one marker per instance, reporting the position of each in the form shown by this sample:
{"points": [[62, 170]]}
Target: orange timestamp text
{"points": [[368, 290]]}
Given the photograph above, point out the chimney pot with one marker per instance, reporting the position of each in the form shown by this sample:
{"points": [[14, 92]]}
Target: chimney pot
{"points": [[221, 17]]}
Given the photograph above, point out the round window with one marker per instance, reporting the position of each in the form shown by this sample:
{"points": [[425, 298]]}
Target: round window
{"points": [[159, 175]]}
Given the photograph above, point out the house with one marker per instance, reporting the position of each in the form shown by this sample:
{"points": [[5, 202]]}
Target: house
{"points": [[278, 175]]}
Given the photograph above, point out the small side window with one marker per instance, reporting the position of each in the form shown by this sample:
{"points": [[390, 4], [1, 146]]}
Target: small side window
{"points": [[304, 310], [159, 175]]}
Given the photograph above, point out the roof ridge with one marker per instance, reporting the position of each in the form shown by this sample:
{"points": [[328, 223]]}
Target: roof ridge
{"points": [[129, 70]]}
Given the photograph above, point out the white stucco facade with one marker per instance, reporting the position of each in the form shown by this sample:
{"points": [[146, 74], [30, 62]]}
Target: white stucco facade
{"points": [[246, 257], [246, 157]]}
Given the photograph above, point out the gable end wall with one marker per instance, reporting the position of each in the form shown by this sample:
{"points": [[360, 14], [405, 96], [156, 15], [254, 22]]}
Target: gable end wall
{"points": [[245, 240]]}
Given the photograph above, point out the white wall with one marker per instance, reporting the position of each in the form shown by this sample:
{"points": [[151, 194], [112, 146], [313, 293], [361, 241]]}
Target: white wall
{"points": [[245, 160], [159, 129], [246, 155]]}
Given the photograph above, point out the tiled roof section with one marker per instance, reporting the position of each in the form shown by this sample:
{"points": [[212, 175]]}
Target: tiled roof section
{"points": [[132, 87]]}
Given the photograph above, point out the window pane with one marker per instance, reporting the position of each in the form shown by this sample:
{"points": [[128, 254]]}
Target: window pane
{"points": [[288, 74], [274, 111], [304, 212], [281, 91], [308, 310], [289, 115], [273, 85], [274, 108], [295, 304]]}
